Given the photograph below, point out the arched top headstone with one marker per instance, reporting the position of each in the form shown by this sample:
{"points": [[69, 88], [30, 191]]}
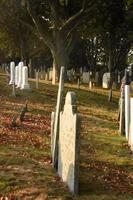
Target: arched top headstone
{"points": [[21, 64], [12, 64], [70, 102], [70, 98]]}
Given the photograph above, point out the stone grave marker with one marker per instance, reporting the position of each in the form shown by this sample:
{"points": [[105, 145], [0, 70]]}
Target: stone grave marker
{"points": [[50, 74], [86, 77], [25, 84], [12, 73], [69, 139], [20, 66], [16, 75], [130, 139], [56, 121], [106, 80]]}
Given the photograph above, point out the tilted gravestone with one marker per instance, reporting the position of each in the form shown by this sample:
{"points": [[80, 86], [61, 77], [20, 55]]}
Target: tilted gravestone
{"points": [[56, 120], [69, 139]]}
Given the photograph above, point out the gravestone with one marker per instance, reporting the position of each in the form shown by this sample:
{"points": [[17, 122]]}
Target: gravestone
{"points": [[50, 74], [16, 75], [86, 77], [70, 75], [12, 73], [25, 84], [106, 80], [130, 142], [20, 66], [56, 121], [68, 157], [52, 130]]}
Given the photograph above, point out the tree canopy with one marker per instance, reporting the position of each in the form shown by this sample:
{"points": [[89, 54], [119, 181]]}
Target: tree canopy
{"points": [[99, 31]]}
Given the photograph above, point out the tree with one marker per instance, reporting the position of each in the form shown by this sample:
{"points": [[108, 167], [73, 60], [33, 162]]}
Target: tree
{"points": [[55, 21]]}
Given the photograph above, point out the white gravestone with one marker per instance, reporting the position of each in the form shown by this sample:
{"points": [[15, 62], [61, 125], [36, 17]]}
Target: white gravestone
{"points": [[16, 75], [127, 110], [50, 74], [25, 84], [106, 80], [68, 157], [12, 73], [20, 66], [86, 77], [130, 142]]}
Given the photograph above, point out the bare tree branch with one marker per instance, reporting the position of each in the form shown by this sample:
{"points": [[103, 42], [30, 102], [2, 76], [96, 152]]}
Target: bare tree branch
{"points": [[42, 33]]}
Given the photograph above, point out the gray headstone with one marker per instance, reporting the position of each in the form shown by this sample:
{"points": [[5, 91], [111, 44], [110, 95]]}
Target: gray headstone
{"points": [[86, 77], [52, 130], [69, 139], [106, 80]]}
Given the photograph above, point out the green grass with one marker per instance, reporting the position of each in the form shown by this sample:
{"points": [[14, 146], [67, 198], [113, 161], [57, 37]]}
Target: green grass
{"points": [[106, 163]]}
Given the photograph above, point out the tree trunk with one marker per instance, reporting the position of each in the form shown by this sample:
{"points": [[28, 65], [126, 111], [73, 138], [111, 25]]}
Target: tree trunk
{"points": [[23, 52], [60, 58], [110, 66]]}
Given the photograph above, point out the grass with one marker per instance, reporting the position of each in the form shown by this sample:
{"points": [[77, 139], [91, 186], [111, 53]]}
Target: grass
{"points": [[106, 163]]}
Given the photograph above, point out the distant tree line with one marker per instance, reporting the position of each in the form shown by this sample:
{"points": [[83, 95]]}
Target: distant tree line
{"points": [[70, 33]]}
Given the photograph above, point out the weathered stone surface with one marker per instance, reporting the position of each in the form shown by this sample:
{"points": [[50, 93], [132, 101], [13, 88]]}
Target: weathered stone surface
{"points": [[52, 130], [12, 73], [106, 80], [25, 84], [16, 75], [68, 158], [130, 139], [86, 77], [20, 74]]}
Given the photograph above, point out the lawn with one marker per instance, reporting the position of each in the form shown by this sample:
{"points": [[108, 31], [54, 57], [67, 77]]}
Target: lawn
{"points": [[106, 163]]}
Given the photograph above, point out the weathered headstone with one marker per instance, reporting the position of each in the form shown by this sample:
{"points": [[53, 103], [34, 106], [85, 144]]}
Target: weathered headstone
{"points": [[70, 75], [25, 84], [86, 77], [56, 122], [50, 74], [130, 142], [106, 80], [12, 73], [20, 66], [16, 75], [52, 130], [68, 158], [127, 103]]}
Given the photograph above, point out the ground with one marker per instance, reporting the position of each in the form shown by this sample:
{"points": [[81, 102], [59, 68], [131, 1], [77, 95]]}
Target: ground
{"points": [[26, 172]]}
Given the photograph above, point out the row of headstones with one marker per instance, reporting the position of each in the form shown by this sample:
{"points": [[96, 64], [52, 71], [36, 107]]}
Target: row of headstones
{"points": [[65, 138], [85, 77], [19, 76], [105, 79]]}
